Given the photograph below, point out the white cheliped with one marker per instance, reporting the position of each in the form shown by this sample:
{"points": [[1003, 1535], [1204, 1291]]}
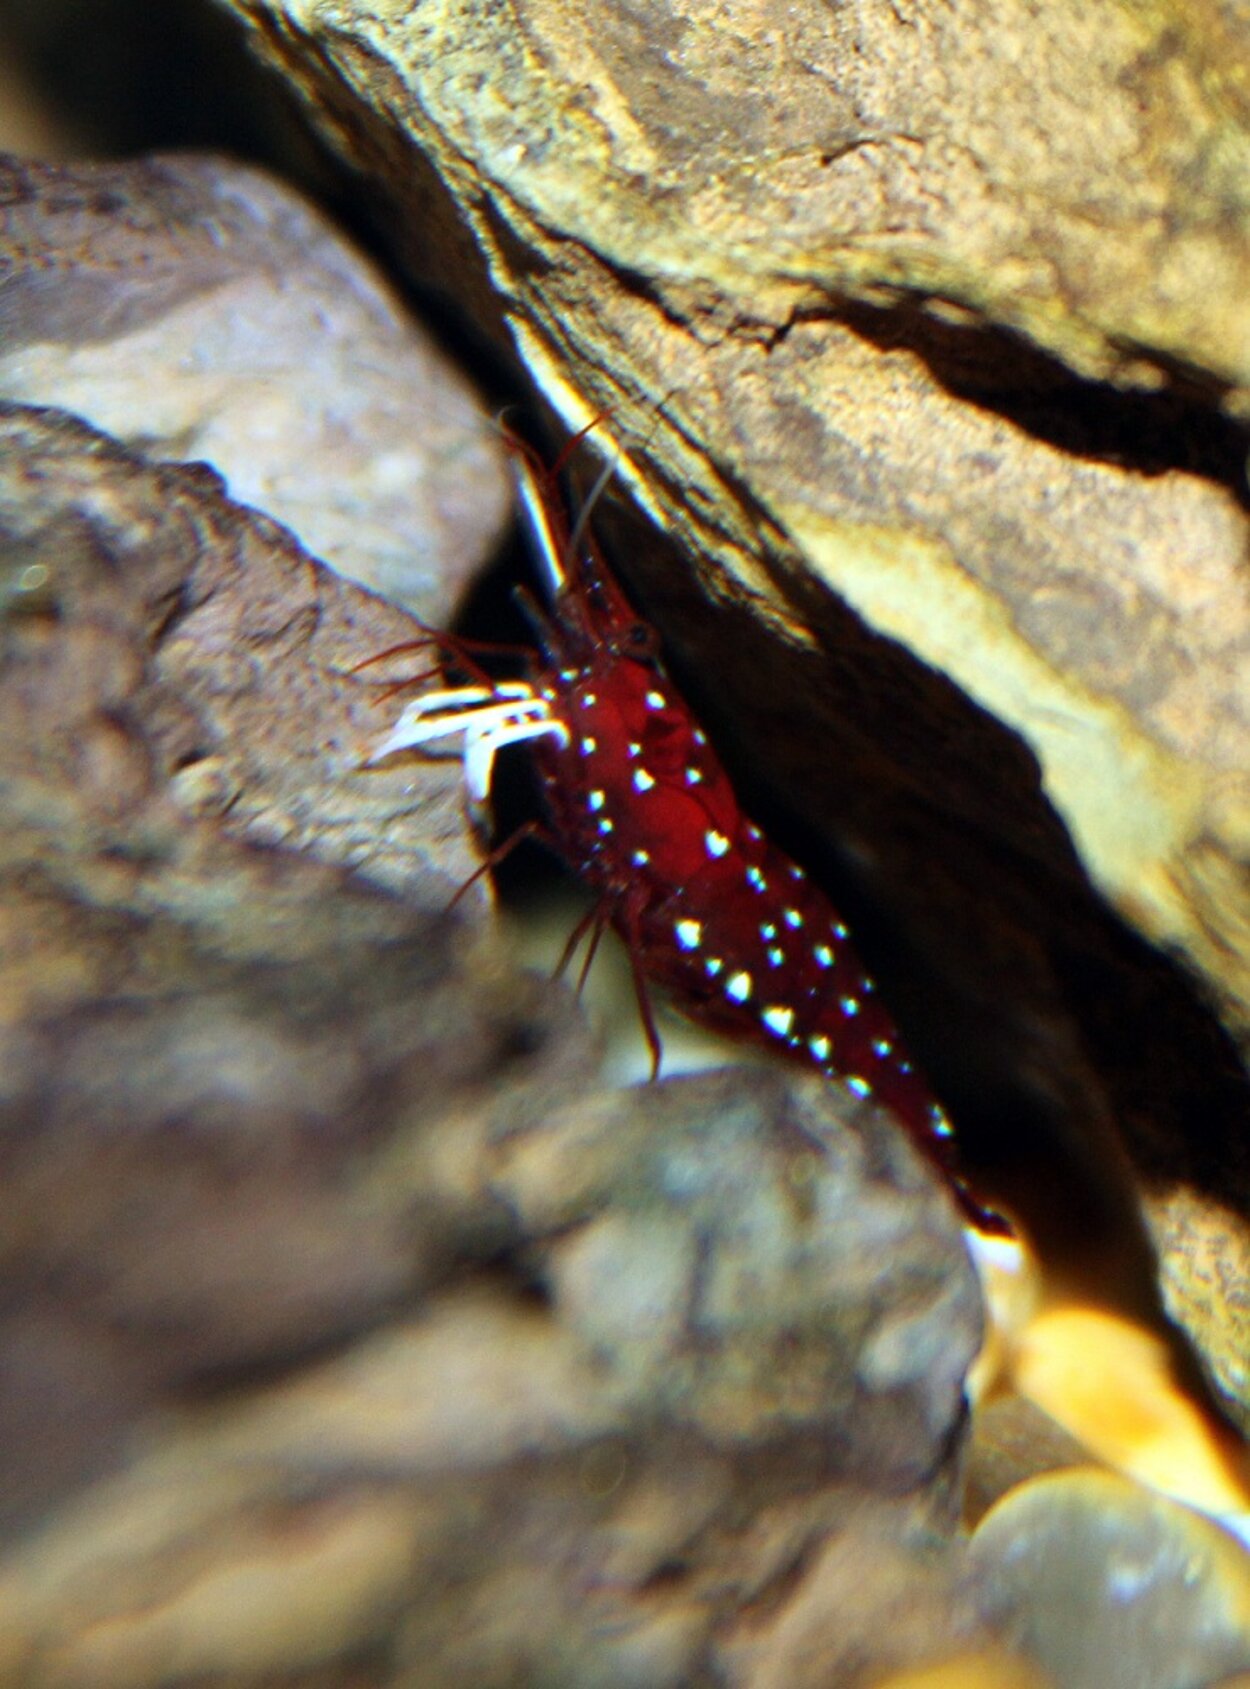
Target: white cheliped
{"points": [[490, 717]]}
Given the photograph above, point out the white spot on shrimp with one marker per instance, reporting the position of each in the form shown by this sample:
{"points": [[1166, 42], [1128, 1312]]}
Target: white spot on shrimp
{"points": [[655, 700], [689, 934], [643, 781], [588, 700], [820, 1047], [793, 918], [568, 676], [823, 955], [717, 844], [939, 1125], [904, 1066], [776, 955], [596, 801], [589, 747], [777, 1018], [699, 736], [795, 872], [694, 776], [838, 930], [756, 879], [606, 827], [635, 749], [640, 858], [861, 1087], [549, 694], [753, 832], [882, 1047], [713, 966], [738, 986], [850, 1005], [768, 930]]}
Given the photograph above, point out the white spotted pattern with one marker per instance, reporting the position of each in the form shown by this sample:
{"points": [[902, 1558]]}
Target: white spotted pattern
{"points": [[717, 844], [777, 1018], [738, 986], [689, 934]]}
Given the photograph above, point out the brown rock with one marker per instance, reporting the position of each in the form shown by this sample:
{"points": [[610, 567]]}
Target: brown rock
{"points": [[209, 1046], [348, 1329], [243, 656], [681, 1473]]}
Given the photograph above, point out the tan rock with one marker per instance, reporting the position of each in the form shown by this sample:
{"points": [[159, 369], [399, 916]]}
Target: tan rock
{"points": [[1100, 1582]]}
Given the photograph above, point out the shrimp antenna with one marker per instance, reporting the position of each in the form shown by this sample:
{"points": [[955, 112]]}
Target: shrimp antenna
{"points": [[588, 504], [536, 514]]}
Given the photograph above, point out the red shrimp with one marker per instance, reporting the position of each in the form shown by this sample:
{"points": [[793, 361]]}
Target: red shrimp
{"points": [[642, 811]]}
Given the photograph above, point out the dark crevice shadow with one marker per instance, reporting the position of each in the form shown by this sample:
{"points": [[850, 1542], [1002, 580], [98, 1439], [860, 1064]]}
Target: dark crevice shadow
{"points": [[1037, 1013], [1180, 426]]}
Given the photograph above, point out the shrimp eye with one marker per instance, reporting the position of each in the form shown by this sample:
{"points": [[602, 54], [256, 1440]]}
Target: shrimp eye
{"points": [[639, 640]]}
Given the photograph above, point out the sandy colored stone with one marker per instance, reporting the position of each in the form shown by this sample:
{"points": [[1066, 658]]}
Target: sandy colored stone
{"points": [[1101, 1582], [988, 1669], [1012, 1441], [348, 1326]]}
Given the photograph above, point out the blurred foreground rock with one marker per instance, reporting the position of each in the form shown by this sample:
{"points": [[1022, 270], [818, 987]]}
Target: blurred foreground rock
{"points": [[348, 1330], [1104, 1584]]}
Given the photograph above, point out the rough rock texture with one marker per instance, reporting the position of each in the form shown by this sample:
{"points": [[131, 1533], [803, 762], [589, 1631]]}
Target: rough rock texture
{"points": [[257, 711], [943, 309], [350, 1334], [197, 309]]}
